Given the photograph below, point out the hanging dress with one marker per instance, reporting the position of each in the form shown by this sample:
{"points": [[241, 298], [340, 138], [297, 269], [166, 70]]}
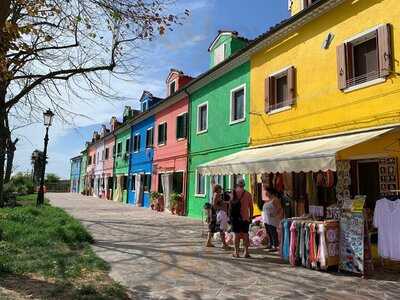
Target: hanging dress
{"points": [[293, 242], [322, 249]]}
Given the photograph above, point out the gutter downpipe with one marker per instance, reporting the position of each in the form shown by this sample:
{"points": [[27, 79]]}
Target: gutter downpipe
{"points": [[185, 206]]}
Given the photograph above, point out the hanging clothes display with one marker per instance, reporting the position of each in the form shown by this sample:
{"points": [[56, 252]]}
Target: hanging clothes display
{"points": [[309, 243], [387, 220]]}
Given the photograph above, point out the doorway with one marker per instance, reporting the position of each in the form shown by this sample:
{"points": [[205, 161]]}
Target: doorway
{"points": [[368, 181]]}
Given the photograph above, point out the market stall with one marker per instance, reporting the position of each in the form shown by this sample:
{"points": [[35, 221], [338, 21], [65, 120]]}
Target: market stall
{"points": [[327, 223]]}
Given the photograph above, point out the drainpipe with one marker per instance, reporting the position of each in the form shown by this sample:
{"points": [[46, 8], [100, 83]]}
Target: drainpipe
{"points": [[185, 207]]}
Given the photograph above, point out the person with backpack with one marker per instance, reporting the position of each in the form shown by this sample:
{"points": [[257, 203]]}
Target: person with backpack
{"points": [[240, 216]]}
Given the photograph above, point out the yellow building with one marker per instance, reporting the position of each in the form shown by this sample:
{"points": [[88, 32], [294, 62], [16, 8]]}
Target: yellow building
{"points": [[325, 98]]}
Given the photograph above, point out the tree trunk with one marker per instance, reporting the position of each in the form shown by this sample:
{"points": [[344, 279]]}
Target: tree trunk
{"points": [[5, 7], [3, 141], [10, 158]]}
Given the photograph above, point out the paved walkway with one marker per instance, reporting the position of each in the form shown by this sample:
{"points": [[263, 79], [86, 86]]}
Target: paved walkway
{"points": [[159, 256]]}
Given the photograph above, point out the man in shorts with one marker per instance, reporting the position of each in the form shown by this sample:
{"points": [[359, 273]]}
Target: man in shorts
{"points": [[241, 214]]}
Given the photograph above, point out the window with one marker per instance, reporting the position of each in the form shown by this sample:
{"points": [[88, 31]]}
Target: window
{"points": [[177, 182], [172, 87], [162, 134], [107, 154], [202, 118], [280, 90], [160, 187], [147, 183], [365, 58], [219, 54], [98, 156], [136, 143], [144, 106], [102, 155], [94, 158], [238, 104], [128, 145], [149, 138], [200, 184], [89, 160], [125, 182], [113, 151], [307, 3], [133, 182], [119, 149], [181, 126]]}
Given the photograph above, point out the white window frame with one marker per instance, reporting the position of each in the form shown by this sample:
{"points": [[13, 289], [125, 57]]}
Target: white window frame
{"points": [[279, 74], [148, 129], [198, 118], [134, 174], [137, 134], [145, 105], [223, 46], [119, 154], [181, 114], [196, 194], [169, 86], [232, 92], [358, 39], [158, 134]]}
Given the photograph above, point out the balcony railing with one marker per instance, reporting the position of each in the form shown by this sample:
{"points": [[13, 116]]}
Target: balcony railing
{"points": [[363, 78]]}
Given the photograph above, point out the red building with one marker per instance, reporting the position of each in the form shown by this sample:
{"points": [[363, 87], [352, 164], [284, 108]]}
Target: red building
{"points": [[170, 141]]}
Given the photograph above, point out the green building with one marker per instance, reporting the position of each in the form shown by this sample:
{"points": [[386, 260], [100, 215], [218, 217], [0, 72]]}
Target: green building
{"points": [[82, 181], [121, 153], [219, 118]]}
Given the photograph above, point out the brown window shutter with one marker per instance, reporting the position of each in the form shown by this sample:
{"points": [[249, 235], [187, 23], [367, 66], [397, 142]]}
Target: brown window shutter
{"points": [[291, 76], [341, 65], [267, 93], [349, 61], [385, 50]]}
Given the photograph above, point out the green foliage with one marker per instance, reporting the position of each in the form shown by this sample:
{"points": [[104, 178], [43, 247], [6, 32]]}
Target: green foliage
{"points": [[52, 178], [21, 183], [47, 241], [174, 198], [154, 196]]}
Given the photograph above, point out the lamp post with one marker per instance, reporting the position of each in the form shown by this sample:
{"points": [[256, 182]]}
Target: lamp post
{"points": [[47, 120]]}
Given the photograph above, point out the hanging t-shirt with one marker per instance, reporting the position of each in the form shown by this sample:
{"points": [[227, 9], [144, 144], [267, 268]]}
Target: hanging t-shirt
{"points": [[387, 220]]}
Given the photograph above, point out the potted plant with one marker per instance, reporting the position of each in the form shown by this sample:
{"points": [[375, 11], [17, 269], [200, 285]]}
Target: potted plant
{"points": [[154, 200], [176, 201]]}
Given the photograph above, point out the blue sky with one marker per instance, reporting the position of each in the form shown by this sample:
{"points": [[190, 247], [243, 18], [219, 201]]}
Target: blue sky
{"points": [[185, 48]]}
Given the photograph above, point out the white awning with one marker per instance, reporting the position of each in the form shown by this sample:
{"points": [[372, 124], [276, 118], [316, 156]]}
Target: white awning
{"points": [[312, 155]]}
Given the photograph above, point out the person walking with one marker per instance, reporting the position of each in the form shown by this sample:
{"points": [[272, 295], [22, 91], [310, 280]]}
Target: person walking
{"points": [[240, 215], [271, 216], [221, 214]]}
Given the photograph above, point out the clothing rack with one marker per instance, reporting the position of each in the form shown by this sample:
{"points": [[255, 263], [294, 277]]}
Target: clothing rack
{"points": [[397, 192]]}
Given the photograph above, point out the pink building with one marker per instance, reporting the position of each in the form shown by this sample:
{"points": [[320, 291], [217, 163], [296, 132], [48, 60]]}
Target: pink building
{"points": [[91, 165], [170, 142], [108, 163]]}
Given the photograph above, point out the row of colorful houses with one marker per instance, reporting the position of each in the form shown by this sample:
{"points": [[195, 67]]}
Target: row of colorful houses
{"points": [[328, 75]]}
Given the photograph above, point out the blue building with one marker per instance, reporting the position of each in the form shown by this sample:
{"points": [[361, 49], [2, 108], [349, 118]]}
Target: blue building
{"points": [[141, 157], [75, 173]]}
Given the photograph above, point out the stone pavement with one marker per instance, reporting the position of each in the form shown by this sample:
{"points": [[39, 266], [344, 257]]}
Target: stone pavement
{"points": [[160, 256]]}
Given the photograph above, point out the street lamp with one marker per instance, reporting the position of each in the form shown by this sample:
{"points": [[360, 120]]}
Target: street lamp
{"points": [[47, 120]]}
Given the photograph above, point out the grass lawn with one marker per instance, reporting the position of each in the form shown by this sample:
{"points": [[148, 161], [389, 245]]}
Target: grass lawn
{"points": [[46, 254]]}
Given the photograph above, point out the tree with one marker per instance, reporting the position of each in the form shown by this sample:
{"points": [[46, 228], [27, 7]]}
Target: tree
{"points": [[52, 178], [50, 49]]}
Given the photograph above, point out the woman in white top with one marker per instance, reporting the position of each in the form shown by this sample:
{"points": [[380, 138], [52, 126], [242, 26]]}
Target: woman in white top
{"points": [[271, 216]]}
